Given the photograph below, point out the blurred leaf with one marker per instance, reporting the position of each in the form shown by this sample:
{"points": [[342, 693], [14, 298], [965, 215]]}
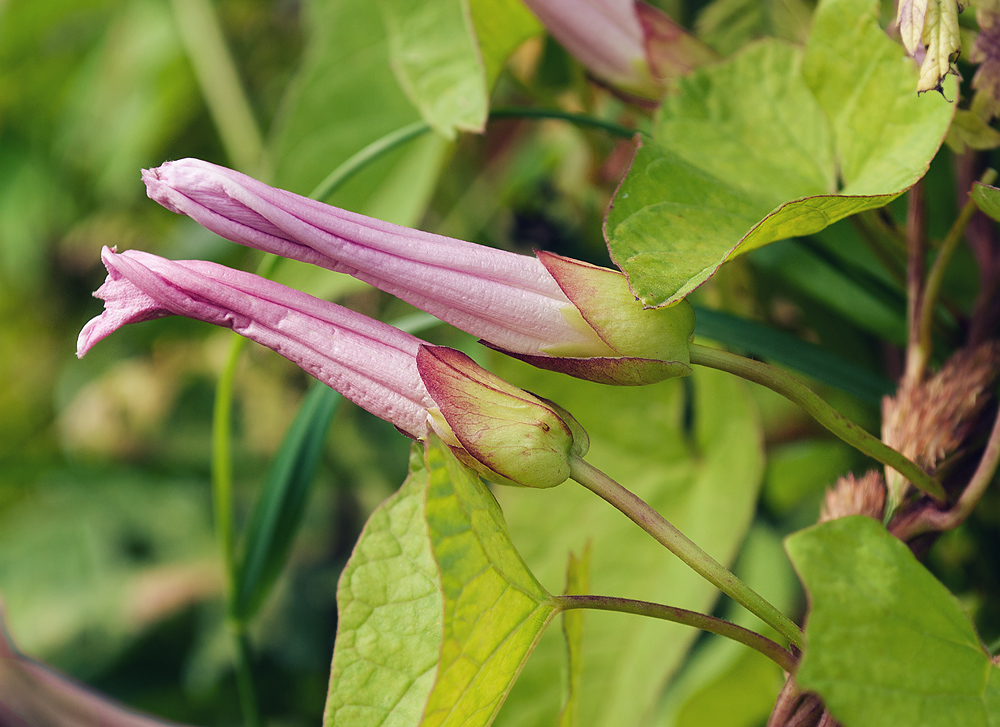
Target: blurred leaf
{"points": [[344, 97], [772, 344], [434, 53], [988, 199], [577, 583], [131, 95], [728, 25], [801, 469], [501, 26], [87, 563], [390, 615], [704, 479], [887, 642], [494, 609], [862, 300], [437, 609], [726, 684], [277, 512], [970, 131], [769, 145]]}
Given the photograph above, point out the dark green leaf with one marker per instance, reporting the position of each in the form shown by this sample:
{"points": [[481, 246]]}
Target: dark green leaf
{"points": [[277, 513]]}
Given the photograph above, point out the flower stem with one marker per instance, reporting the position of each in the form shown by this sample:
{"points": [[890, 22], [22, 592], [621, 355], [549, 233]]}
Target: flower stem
{"points": [[921, 349], [794, 390], [782, 657], [533, 112], [220, 84], [680, 545]]}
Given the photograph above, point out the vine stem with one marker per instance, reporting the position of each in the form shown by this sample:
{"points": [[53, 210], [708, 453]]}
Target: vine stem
{"points": [[794, 390], [934, 519], [920, 352], [220, 84], [780, 656], [683, 547]]}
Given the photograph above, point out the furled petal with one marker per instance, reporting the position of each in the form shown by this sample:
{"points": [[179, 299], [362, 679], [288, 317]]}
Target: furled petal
{"points": [[500, 296], [371, 363]]}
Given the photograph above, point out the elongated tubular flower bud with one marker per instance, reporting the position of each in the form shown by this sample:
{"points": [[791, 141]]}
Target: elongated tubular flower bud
{"points": [[552, 312], [369, 362]]}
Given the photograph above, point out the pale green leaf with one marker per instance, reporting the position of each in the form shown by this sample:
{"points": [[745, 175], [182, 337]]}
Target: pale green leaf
{"points": [[577, 583], [886, 642], [942, 42], [769, 145], [390, 610], [988, 199], [344, 97], [704, 480], [494, 608], [435, 57]]}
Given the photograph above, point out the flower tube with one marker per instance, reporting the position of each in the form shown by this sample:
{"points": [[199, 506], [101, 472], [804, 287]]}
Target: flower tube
{"points": [[491, 425], [551, 311]]}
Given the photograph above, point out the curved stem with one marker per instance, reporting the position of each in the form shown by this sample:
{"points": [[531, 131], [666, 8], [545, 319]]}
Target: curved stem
{"points": [[794, 390], [921, 349], [366, 156], [780, 656], [684, 548], [220, 84], [531, 112]]}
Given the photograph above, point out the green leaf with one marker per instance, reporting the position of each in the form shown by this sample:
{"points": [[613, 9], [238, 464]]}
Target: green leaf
{"points": [[434, 53], [728, 25], [344, 97], [437, 610], [704, 477], [277, 512], [390, 616], [988, 199], [494, 608], [886, 642], [769, 145], [577, 583]]}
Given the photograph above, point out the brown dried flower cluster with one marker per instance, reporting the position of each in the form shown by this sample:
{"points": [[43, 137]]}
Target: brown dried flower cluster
{"points": [[930, 420], [852, 495]]}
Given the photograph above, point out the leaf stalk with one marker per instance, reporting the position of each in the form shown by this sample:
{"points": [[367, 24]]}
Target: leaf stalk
{"points": [[779, 655], [794, 390], [643, 515]]}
